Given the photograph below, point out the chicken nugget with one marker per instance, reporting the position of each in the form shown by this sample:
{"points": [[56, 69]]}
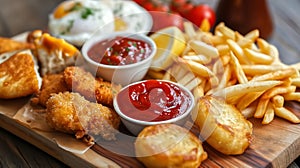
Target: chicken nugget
{"points": [[93, 89], [51, 83], [71, 113]]}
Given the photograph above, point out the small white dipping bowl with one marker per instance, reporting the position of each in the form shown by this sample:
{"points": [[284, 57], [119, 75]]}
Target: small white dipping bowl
{"points": [[119, 74], [135, 126]]}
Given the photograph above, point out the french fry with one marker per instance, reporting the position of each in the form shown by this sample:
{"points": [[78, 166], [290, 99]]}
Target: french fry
{"points": [[269, 114], [155, 74], [263, 45], [237, 91], [252, 35], [238, 52], [189, 76], [296, 81], [254, 70], [286, 114], [238, 69], [277, 91], [226, 32], [296, 66], [217, 40], [199, 69], [257, 57], [199, 90], [223, 49], [189, 29], [225, 77], [245, 70], [198, 58], [225, 59], [204, 49], [218, 67], [178, 71], [193, 83], [294, 96], [242, 41], [273, 52], [247, 99], [278, 101], [276, 75], [261, 108], [245, 43]]}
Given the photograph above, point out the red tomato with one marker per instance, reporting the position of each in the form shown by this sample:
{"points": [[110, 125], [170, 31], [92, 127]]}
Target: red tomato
{"points": [[153, 5], [200, 12], [181, 6], [165, 19]]}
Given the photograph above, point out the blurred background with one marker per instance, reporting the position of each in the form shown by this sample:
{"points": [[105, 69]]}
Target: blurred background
{"points": [[25, 15], [18, 16]]}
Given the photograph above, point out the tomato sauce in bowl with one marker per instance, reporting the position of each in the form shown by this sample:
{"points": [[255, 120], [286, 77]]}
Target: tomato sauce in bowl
{"points": [[154, 100], [119, 51]]}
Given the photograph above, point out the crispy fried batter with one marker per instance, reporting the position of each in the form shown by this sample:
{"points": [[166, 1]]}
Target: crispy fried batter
{"points": [[8, 45], [93, 89], [71, 113], [18, 76], [52, 83]]}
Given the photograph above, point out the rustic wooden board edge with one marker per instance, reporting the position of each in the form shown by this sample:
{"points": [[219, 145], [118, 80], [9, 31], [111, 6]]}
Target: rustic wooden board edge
{"points": [[50, 147]]}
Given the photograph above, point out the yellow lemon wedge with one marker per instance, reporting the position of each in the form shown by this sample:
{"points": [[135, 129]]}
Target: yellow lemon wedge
{"points": [[170, 43]]}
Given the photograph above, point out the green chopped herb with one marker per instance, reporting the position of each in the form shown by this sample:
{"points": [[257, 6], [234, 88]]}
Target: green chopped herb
{"points": [[86, 13]]}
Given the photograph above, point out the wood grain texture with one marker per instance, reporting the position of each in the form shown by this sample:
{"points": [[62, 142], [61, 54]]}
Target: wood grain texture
{"points": [[22, 15], [273, 145]]}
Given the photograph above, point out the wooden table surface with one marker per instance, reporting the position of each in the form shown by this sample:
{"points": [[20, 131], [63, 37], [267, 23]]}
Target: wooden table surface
{"points": [[24, 15]]}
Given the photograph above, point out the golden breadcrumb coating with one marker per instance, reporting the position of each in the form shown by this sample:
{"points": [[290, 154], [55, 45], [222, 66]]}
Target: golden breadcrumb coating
{"points": [[51, 83], [93, 89], [69, 112], [18, 77]]}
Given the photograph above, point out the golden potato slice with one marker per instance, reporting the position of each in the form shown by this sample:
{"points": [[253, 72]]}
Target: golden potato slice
{"points": [[169, 145], [223, 126]]}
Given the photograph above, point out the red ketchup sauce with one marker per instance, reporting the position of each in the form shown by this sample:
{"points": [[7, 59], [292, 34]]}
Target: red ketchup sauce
{"points": [[119, 51], [153, 100]]}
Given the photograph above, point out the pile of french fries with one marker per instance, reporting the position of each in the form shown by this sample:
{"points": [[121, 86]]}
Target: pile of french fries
{"points": [[244, 70]]}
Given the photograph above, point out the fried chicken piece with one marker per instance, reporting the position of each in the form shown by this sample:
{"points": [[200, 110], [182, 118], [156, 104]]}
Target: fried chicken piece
{"points": [[51, 83], [71, 113], [93, 89], [8, 45], [18, 75]]}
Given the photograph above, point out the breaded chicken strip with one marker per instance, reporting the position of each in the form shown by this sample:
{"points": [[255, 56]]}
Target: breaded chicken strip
{"points": [[51, 83], [93, 89], [69, 112]]}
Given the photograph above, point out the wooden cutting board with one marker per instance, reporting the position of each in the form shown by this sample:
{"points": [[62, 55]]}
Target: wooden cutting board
{"points": [[273, 145]]}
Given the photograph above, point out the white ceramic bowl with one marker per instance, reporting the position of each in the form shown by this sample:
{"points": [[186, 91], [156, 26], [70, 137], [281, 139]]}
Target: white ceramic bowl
{"points": [[119, 74], [135, 126]]}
